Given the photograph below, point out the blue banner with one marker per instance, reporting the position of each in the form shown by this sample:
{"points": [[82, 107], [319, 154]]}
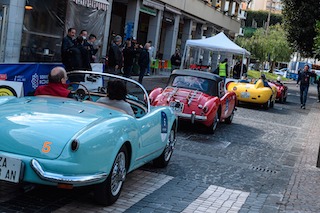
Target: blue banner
{"points": [[31, 75]]}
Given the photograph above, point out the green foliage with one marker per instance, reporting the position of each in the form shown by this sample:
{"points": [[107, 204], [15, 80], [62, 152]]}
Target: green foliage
{"points": [[317, 41], [300, 21], [264, 47], [252, 74], [261, 18], [249, 31]]}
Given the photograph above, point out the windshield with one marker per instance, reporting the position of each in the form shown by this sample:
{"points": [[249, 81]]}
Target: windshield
{"points": [[97, 86], [195, 83]]}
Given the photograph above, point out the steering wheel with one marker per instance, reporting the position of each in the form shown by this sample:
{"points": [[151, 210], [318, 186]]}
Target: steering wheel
{"points": [[80, 93]]}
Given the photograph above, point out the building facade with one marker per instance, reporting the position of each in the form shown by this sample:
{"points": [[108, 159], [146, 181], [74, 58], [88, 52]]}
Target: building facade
{"points": [[32, 30], [275, 6]]}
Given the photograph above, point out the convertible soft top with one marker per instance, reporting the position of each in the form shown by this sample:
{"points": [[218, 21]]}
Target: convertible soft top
{"points": [[197, 73]]}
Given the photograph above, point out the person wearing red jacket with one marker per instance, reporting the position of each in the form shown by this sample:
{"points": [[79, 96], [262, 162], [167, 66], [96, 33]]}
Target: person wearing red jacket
{"points": [[57, 84]]}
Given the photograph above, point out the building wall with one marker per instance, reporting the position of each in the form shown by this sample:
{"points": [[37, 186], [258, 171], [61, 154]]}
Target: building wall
{"points": [[14, 31], [195, 10]]}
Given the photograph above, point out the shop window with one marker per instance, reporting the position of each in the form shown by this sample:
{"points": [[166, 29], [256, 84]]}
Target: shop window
{"points": [[43, 30]]}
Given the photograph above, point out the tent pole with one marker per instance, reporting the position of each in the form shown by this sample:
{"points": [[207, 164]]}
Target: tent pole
{"points": [[183, 57], [241, 66]]}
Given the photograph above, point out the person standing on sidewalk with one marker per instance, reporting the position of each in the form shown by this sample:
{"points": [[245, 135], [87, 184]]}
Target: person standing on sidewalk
{"points": [[144, 60], [129, 53], [223, 69], [175, 60], [304, 80], [115, 56], [67, 43], [150, 51]]}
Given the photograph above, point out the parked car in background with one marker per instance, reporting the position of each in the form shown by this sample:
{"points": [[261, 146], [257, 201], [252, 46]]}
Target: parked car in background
{"points": [[68, 143], [196, 96], [282, 91]]}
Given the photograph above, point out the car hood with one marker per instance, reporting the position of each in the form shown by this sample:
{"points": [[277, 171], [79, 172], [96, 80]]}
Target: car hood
{"points": [[187, 96], [30, 125]]}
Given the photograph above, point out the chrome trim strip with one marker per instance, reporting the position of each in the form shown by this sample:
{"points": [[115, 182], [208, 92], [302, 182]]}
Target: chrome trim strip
{"points": [[144, 156], [192, 117], [60, 178]]}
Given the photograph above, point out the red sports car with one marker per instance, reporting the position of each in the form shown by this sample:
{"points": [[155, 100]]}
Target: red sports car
{"points": [[282, 92], [196, 96]]}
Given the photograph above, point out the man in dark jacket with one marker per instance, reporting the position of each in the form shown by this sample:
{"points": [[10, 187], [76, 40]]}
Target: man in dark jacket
{"points": [[115, 56], [79, 60], [129, 53], [143, 61], [67, 43], [304, 80]]}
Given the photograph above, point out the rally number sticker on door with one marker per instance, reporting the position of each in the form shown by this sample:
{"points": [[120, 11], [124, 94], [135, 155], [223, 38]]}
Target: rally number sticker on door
{"points": [[164, 126]]}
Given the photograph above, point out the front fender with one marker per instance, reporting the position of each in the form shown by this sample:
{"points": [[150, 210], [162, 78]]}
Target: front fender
{"points": [[154, 94]]}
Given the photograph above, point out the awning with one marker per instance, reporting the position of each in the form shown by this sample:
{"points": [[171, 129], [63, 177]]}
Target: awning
{"points": [[99, 4]]}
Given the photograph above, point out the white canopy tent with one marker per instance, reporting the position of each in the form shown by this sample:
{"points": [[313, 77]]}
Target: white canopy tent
{"points": [[219, 43]]}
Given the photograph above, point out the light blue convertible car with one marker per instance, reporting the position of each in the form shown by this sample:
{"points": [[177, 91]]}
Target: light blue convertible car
{"points": [[77, 142]]}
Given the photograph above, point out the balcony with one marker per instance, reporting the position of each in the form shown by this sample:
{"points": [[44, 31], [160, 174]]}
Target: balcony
{"points": [[242, 14]]}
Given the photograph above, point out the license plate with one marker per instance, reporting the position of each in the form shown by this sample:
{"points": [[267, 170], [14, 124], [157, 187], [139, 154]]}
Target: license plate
{"points": [[245, 95], [176, 106], [10, 169]]}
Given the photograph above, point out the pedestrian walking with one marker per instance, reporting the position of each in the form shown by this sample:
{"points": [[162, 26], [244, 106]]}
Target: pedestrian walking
{"points": [[317, 81], [115, 56], [67, 42], [304, 80], [143, 61]]}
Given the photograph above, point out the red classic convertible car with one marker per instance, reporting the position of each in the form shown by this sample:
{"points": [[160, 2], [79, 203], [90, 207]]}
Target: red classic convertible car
{"points": [[282, 92], [196, 96]]}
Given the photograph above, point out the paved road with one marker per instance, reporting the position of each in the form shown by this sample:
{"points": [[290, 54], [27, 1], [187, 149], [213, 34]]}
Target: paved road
{"points": [[264, 162]]}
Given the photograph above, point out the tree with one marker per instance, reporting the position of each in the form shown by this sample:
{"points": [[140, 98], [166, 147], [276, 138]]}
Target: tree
{"points": [[317, 41], [300, 21], [272, 47]]}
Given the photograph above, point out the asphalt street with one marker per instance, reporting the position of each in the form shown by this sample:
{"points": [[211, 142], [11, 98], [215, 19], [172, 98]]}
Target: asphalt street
{"points": [[265, 161]]}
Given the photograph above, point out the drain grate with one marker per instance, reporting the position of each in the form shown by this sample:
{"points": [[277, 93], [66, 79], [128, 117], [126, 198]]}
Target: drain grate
{"points": [[263, 170]]}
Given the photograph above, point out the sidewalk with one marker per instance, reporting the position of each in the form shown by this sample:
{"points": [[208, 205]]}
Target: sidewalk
{"points": [[303, 191]]}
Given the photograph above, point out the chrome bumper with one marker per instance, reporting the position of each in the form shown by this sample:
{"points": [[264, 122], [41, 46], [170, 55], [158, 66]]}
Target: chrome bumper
{"points": [[193, 117], [60, 178]]}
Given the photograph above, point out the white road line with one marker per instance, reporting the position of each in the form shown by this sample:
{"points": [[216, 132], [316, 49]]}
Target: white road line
{"points": [[138, 185], [218, 199]]}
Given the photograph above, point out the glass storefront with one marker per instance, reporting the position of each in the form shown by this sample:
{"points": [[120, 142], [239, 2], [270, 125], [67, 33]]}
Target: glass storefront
{"points": [[47, 21], [43, 30]]}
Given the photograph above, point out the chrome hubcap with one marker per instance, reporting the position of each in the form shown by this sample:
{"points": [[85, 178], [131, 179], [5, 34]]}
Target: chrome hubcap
{"points": [[170, 146], [118, 173]]}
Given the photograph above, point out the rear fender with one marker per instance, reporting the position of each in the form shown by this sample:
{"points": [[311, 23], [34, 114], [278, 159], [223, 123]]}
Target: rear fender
{"points": [[212, 105], [228, 102]]}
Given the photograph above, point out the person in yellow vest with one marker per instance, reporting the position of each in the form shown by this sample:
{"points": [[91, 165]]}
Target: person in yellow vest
{"points": [[223, 69]]}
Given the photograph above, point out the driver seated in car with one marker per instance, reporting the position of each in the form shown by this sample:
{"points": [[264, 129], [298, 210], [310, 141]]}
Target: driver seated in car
{"points": [[264, 80], [57, 84], [116, 96]]}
